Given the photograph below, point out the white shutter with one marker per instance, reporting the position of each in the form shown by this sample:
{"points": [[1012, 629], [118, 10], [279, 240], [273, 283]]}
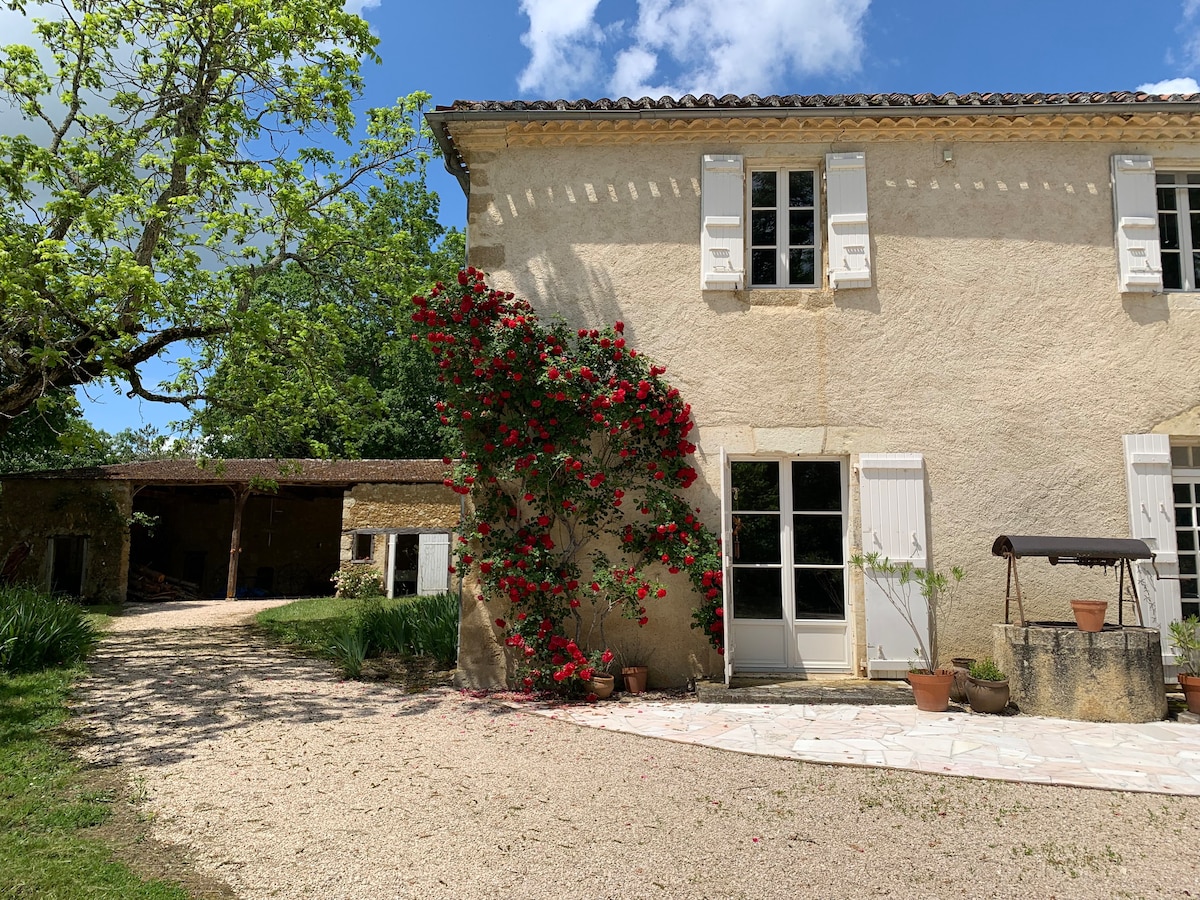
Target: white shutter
{"points": [[1135, 205], [892, 501], [433, 563], [1152, 519], [846, 204], [391, 565], [722, 232], [726, 565]]}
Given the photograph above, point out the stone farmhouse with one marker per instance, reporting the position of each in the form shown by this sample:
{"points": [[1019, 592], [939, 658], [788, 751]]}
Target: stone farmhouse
{"points": [[907, 324], [228, 528]]}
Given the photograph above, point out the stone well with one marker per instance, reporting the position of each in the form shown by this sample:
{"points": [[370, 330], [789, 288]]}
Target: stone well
{"points": [[1054, 669]]}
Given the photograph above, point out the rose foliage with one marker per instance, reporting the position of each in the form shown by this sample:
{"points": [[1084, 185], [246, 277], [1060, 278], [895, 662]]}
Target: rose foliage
{"points": [[575, 452]]}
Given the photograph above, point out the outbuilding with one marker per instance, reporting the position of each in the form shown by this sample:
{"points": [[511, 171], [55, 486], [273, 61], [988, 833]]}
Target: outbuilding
{"points": [[228, 528]]}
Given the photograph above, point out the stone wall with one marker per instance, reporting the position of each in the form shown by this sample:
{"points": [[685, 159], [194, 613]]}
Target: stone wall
{"points": [[37, 510], [395, 506]]}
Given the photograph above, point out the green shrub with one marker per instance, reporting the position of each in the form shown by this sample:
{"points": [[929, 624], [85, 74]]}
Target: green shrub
{"points": [[986, 670], [357, 582], [421, 626], [38, 631], [350, 649]]}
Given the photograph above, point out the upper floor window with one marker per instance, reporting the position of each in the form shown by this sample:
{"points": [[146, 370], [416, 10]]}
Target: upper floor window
{"points": [[783, 228], [770, 226], [1179, 228]]}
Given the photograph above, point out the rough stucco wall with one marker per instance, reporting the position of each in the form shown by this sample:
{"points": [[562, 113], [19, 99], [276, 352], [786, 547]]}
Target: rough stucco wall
{"points": [[35, 511], [993, 340]]}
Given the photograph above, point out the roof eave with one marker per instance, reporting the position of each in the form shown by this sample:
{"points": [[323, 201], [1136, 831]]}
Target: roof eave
{"points": [[440, 119]]}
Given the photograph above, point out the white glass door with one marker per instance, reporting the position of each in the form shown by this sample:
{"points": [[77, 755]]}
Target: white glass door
{"points": [[788, 564]]}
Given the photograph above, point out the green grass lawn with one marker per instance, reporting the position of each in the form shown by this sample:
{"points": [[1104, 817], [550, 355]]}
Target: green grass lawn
{"points": [[313, 625], [49, 809]]}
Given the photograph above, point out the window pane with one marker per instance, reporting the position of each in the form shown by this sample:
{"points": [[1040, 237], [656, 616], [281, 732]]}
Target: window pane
{"points": [[1183, 516], [800, 188], [755, 485], [1193, 198], [1190, 609], [818, 539], [1180, 457], [1187, 587], [1187, 564], [801, 267], [1164, 177], [762, 189], [1183, 493], [1168, 231], [816, 486], [1166, 198], [762, 266], [820, 594], [1172, 273], [757, 593], [1186, 540], [756, 539], [801, 228], [762, 227]]}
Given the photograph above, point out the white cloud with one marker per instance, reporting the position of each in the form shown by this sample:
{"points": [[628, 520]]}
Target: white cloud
{"points": [[748, 46], [563, 40], [358, 6], [691, 46], [1171, 86]]}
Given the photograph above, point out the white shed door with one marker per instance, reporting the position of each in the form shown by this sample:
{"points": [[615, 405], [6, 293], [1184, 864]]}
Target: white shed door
{"points": [[892, 496], [433, 564]]}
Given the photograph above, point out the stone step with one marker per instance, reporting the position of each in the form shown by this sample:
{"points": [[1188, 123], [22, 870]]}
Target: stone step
{"points": [[815, 691]]}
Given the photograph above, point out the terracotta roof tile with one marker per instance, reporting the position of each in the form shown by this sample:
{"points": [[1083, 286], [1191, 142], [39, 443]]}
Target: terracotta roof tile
{"points": [[289, 471], [818, 101]]}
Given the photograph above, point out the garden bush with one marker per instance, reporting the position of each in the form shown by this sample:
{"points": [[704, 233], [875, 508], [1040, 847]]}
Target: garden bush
{"points": [[422, 626], [39, 631]]}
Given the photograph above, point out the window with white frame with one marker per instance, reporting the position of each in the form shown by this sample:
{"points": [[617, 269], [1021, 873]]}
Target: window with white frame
{"points": [[1185, 478], [783, 227], [1179, 228], [788, 539], [773, 226]]}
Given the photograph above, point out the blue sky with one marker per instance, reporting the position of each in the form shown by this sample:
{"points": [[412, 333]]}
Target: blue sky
{"points": [[508, 49]]}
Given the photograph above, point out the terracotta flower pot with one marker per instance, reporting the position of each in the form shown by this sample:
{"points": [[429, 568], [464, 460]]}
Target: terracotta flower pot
{"points": [[932, 691], [1191, 691], [601, 685], [635, 678], [961, 666], [1089, 614], [987, 696]]}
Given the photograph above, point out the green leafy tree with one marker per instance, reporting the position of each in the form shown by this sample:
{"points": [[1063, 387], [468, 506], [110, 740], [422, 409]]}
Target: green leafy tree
{"points": [[175, 156], [332, 371], [53, 435]]}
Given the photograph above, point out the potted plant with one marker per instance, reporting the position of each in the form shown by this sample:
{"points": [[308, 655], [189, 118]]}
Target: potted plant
{"points": [[987, 687], [931, 683], [635, 669], [602, 681], [1185, 637]]}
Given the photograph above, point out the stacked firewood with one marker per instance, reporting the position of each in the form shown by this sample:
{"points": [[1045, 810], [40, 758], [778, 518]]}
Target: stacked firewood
{"points": [[149, 586]]}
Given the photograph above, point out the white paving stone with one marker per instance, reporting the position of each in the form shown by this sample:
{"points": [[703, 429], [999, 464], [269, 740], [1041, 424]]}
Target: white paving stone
{"points": [[1158, 757]]}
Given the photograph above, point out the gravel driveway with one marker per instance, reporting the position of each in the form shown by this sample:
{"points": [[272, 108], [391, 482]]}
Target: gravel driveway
{"points": [[283, 781]]}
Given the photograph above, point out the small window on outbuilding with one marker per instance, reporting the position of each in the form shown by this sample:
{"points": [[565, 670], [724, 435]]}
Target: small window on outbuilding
{"points": [[364, 547]]}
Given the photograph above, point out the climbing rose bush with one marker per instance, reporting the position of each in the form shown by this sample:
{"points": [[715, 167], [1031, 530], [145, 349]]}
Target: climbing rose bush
{"points": [[570, 444]]}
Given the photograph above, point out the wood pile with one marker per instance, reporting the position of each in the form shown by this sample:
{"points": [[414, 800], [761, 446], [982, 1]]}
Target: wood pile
{"points": [[149, 586]]}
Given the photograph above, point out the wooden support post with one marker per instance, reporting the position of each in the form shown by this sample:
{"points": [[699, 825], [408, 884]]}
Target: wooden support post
{"points": [[241, 493]]}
